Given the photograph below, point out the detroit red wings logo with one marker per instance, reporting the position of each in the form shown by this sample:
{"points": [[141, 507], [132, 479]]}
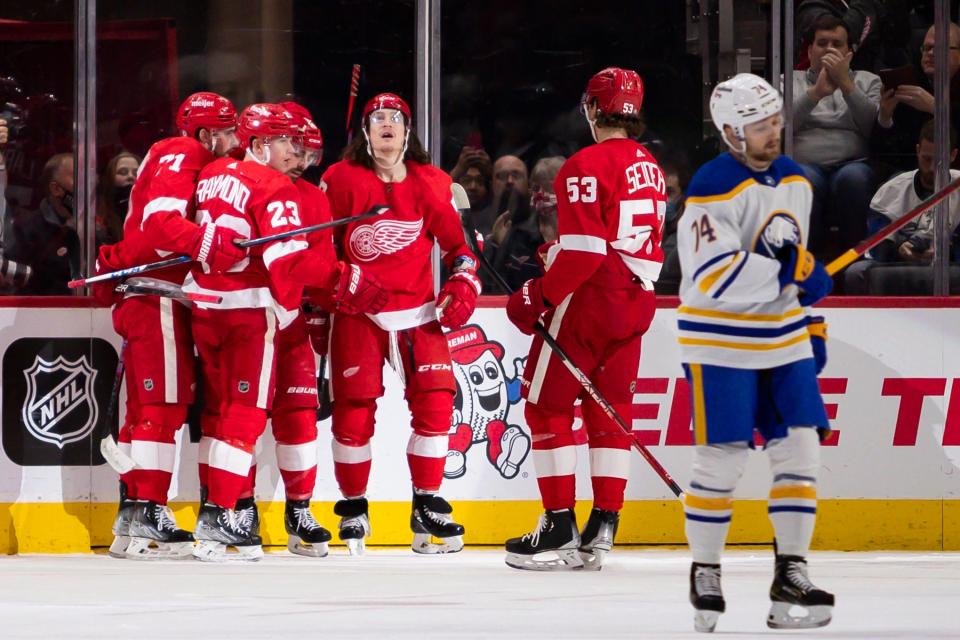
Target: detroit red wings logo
{"points": [[383, 237]]}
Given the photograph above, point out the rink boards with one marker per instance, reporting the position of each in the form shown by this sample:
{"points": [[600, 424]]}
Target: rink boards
{"points": [[890, 476]]}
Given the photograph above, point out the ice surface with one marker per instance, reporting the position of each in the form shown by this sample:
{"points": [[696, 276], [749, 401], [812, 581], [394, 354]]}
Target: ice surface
{"points": [[395, 594]]}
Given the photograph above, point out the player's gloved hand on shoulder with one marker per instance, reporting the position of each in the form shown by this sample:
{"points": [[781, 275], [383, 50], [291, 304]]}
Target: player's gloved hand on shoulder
{"points": [[318, 328], [458, 298], [818, 340], [526, 305], [358, 292], [799, 267], [216, 248]]}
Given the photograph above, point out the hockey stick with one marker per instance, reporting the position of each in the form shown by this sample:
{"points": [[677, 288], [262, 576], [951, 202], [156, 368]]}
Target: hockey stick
{"points": [[117, 459], [354, 90], [163, 293], [849, 257], [152, 266], [463, 205]]}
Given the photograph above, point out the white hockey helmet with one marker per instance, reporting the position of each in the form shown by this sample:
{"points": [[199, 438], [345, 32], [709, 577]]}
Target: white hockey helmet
{"points": [[742, 100]]}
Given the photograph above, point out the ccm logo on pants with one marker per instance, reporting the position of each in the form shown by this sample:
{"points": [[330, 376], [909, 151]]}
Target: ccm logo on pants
{"points": [[434, 367]]}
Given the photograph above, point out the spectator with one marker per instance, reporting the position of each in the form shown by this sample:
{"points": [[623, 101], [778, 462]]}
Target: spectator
{"points": [[46, 239], [474, 173], [834, 111], [512, 245], [893, 266], [543, 197], [510, 199], [677, 177], [904, 109], [115, 185], [860, 18]]}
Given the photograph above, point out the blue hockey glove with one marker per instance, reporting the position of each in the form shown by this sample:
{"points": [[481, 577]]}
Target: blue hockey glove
{"points": [[818, 340], [799, 267]]}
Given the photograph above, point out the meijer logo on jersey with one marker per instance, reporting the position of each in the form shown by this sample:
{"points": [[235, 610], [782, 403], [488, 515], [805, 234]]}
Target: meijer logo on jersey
{"points": [[60, 407], [383, 237]]}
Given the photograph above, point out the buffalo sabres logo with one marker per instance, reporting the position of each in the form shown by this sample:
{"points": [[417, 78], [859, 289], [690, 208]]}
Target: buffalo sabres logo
{"points": [[60, 407], [383, 237], [781, 229]]}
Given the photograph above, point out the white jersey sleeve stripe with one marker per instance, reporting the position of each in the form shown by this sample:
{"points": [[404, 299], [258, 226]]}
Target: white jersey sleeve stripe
{"points": [[163, 204], [590, 244], [278, 250]]}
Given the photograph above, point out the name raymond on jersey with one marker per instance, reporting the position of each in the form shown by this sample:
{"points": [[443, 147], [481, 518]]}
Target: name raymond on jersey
{"points": [[226, 188]]}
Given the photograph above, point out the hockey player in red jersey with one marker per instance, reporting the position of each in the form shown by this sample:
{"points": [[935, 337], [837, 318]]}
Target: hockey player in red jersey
{"points": [[388, 164], [294, 413], [159, 353], [236, 338], [596, 299]]}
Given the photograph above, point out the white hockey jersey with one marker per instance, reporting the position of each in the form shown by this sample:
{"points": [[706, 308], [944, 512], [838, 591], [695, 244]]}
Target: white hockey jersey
{"points": [[732, 311]]}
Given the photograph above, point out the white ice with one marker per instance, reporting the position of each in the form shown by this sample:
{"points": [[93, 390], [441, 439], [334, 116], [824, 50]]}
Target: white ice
{"points": [[395, 594]]}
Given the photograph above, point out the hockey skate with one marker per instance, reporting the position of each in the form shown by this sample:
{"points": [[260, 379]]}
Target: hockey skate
{"points": [[555, 539], [792, 588], [354, 524], [218, 531], [597, 538], [305, 535], [434, 530], [121, 525], [706, 596], [248, 515], [154, 535]]}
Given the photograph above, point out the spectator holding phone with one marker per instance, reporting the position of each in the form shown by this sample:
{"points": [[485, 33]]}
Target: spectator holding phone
{"points": [[834, 111]]}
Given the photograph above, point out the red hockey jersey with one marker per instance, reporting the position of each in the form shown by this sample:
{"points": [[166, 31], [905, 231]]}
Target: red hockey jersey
{"points": [[161, 212], [314, 209], [395, 247], [256, 201], [611, 202]]}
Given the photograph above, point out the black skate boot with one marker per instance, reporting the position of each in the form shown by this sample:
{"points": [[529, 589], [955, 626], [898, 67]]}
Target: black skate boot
{"points": [[706, 596], [556, 534], [218, 531], [154, 534], [791, 587], [434, 530], [597, 537], [121, 524], [248, 516], [354, 524], [305, 535]]}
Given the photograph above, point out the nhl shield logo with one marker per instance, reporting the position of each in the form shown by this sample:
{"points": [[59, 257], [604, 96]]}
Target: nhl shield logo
{"points": [[60, 406]]}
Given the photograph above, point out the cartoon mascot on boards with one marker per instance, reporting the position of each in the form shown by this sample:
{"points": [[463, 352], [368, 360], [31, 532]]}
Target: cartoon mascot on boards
{"points": [[484, 396]]}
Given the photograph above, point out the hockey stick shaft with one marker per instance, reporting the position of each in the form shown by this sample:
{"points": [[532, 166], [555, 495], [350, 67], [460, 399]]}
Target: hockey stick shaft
{"points": [[163, 293], [354, 90], [153, 266], [463, 205], [851, 256], [117, 459]]}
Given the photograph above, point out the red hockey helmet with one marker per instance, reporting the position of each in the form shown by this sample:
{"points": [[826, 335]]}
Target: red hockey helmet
{"points": [[265, 120], [386, 101], [205, 110], [312, 138], [617, 91]]}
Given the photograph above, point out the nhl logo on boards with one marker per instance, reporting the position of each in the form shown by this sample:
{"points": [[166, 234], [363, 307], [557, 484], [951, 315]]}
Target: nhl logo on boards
{"points": [[60, 407], [55, 391]]}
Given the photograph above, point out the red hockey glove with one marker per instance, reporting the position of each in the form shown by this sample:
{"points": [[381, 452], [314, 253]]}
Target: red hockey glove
{"points": [[458, 299], [543, 254], [216, 248], [358, 292], [318, 328], [525, 306], [104, 292]]}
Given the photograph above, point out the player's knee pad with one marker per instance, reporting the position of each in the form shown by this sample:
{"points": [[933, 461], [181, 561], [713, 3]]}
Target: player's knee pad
{"points": [[796, 456], [431, 411], [167, 416], [545, 422], [353, 421], [294, 426], [241, 424], [717, 467]]}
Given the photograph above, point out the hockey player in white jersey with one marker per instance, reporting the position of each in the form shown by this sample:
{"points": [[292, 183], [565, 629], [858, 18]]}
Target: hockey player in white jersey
{"points": [[751, 350]]}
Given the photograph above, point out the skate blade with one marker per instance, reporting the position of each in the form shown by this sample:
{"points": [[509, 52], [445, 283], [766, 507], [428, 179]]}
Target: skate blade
{"points": [[118, 548], [780, 616], [148, 549], [564, 560], [705, 621], [593, 560], [297, 546], [426, 544], [356, 546], [214, 551]]}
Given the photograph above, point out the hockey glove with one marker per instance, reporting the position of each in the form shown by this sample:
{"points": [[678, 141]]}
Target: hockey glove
{"points": [[105, 292], [799, 267], [358, 292], [458, 298], [526, 305], [216, 248], [818, 340], [318, 328]]}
